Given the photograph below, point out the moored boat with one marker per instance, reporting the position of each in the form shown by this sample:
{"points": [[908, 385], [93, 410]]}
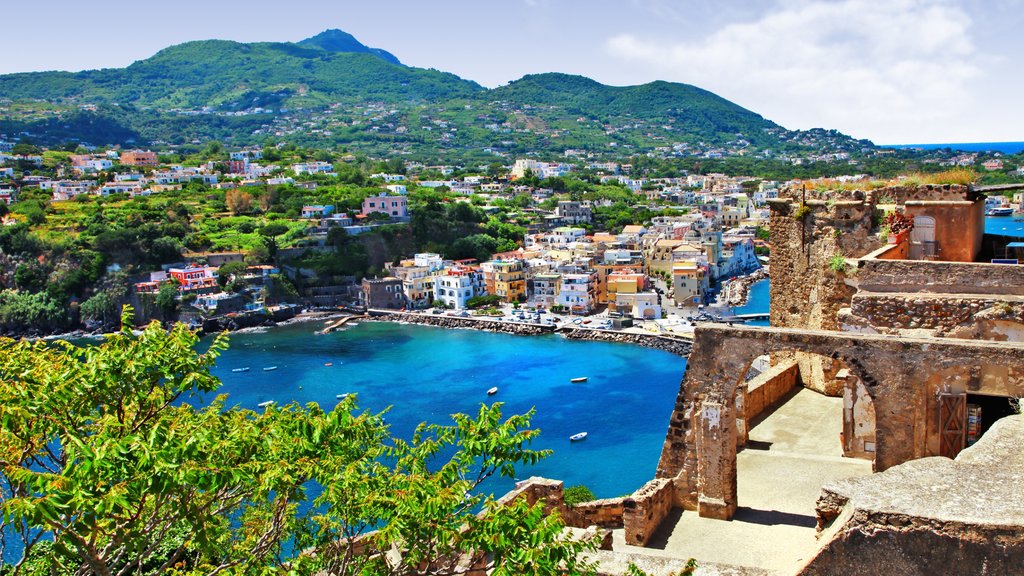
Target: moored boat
{"points": [[580, 379], [265, 404], [1002, 211], [577, 437], [246, 369], [492, 391], [270, 368]]}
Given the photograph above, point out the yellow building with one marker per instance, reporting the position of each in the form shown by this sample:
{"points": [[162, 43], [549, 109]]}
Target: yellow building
{"points": [[509, 280], [659, 258], [689, 283]]}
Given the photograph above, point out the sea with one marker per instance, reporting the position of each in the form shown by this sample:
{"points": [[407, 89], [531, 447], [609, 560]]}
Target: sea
{"points": [[1004, 147], [424, 374], [1004, 226]]}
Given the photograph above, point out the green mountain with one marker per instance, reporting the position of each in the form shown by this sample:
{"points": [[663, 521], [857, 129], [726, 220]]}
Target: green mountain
{"points": [[331, 90], [335, 40]]}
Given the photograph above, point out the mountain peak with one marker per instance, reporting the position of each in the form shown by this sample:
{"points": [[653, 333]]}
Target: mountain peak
{"points": [[335, 40]]}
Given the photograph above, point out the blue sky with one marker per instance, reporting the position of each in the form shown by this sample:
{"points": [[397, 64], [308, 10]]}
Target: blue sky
{"points": [[893, 71]]}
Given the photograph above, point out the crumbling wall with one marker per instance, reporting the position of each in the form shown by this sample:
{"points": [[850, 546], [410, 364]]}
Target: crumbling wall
{"points": [[806, 293], [762, 392], [645, 509], [930, 516], [902, 376], [937, 277]]}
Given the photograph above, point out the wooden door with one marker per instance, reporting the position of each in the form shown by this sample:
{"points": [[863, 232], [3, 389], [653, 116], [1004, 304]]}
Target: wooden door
{"points": [[952, 423]]}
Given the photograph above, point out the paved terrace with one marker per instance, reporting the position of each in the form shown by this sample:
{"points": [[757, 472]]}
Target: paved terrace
{"points": [[791, 454]]}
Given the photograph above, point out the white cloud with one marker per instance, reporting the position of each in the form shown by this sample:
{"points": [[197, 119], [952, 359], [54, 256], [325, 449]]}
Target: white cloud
{"points": [[890, 71]]}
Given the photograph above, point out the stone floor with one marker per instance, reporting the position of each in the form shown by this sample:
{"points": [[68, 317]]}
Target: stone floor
{"points": [[791, 454]]}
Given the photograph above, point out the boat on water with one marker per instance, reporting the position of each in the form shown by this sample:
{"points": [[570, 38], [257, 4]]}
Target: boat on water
{"points": [[265, 404], [492, 391], [270, 368], [246, 369], [1002, 211], [580, 379], [342, 396], [328, 363], [577, 437]]}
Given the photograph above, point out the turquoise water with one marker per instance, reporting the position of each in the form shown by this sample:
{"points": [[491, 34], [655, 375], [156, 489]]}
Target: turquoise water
{"points": [[757, 302], [1004, 226], [426, 374]]}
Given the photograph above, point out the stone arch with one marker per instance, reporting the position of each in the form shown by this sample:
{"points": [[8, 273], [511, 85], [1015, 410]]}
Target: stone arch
{"points": [[900, 374]]}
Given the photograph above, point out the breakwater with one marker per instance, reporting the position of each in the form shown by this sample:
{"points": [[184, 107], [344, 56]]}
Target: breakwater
{"points": [[677, 346], [674, 345], [444, 321]]}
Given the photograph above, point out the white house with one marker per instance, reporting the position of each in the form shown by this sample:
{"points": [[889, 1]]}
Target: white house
{"points": [[457, 286]]}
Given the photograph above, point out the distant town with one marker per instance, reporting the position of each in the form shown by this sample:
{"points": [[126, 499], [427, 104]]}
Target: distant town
{"points": [[253, 232]]}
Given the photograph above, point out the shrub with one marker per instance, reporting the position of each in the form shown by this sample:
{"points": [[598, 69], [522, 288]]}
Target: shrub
{"points": [[802, 213], [577, 494], [837, 263]]}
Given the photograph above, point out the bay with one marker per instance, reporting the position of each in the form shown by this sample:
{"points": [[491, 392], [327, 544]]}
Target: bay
{"points": [[424, 374]]}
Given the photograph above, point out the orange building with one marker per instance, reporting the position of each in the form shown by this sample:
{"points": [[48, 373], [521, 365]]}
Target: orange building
{"points": [[139, 158]]}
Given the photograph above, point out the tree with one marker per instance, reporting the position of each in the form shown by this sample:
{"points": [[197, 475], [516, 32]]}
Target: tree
{"points": [[238, 201], [230, 276], [167, 298], [123, 477]]}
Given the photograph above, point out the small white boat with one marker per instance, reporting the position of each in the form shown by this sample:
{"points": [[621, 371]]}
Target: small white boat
{"points": [[246, 369], [342, 396], [270, 368], [578, 380], [265, 404], [492, 391], [1001, 211], [577, 437]]}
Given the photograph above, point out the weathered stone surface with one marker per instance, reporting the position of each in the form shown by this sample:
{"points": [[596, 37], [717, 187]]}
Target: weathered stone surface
{"points": [[902, 377], [930, 516], [644, 510]]}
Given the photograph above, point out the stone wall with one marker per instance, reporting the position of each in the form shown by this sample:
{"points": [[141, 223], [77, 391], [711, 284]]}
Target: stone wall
{"points": [[903, 377], [645, 509], [930, 516], [444, 321], [677, 346], [606, 513], [805, 292], [639, 513], [762, 392], [890, 313], [937, 277]]}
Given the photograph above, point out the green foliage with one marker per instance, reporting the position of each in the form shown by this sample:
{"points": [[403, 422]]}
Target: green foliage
{"points": [[167, 298], [801, 213], [837, 263], [483, 301], [123, 477], [577, 495], [688, 570]]}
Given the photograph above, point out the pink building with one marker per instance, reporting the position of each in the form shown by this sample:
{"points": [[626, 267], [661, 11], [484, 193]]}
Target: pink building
{"points": [[394, 206]]}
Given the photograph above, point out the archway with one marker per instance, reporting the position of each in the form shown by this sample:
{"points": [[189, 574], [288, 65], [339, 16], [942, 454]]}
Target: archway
{"points": [[900, 375]]}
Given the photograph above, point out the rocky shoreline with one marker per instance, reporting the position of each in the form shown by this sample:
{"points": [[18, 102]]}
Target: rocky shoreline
{"points": [[677, 346], [443, 321], [735, 292]]}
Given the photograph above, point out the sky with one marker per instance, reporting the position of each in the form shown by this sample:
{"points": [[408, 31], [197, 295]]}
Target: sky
{"points": [[892, 71]]}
